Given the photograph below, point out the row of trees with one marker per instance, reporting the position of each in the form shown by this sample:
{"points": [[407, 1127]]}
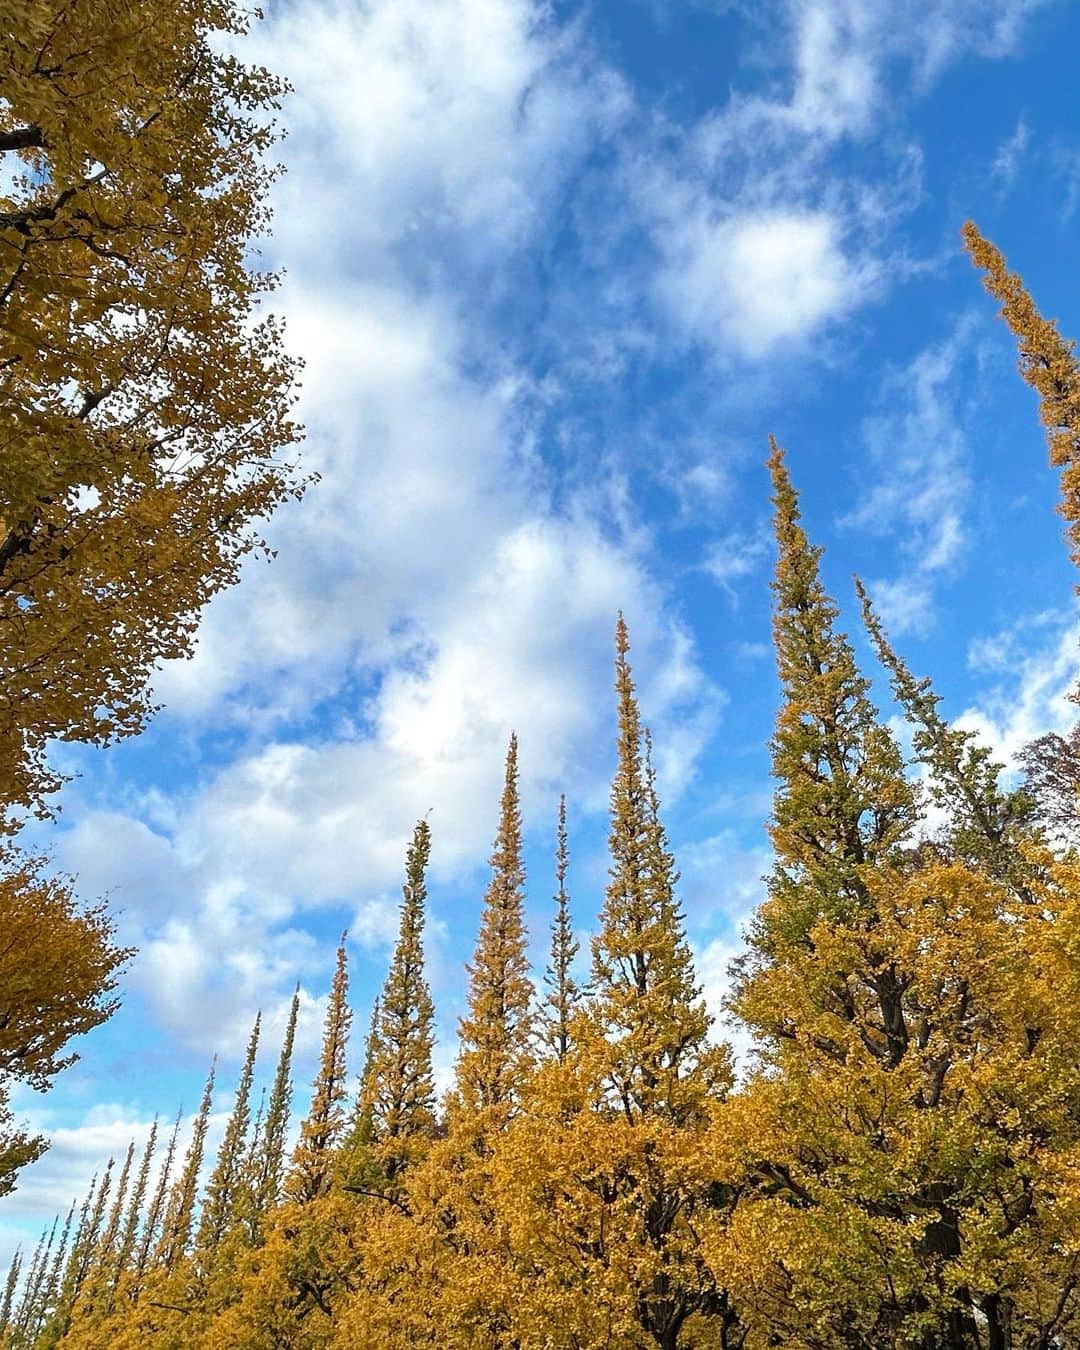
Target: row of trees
{"points": [[901, 1166]]}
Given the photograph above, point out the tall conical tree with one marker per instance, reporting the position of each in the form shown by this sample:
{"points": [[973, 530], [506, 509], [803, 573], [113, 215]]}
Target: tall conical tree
{"points": [[246, 1199], [843, 803], [11, 1283], [645, 996], [270, 1159], [360, 1123], [358, 1168], [608, 1164], [842, 799], [30, 1306], [155, 1215], [398, 1090], [495, 1035], [884, 982], [53, 1284], [79, 1262], [104, 1259], [176, 1229], [1048, 362], [88, 1238], [222, 1190], [563, 994], [313, 1162], [125, 1251], [252, 1161]]}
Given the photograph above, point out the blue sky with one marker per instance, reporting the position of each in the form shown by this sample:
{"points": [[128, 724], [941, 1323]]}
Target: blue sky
{"points": [[556, 272]]}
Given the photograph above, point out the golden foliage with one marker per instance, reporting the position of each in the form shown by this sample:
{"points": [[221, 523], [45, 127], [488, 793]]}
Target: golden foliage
{"points": [[1048, 363], [143, 402], [496, 1033], [313, 1162], [58, 969]]}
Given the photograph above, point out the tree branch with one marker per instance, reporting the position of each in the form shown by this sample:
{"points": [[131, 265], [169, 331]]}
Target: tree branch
{"points": [[22, 138], [378, 1195]]}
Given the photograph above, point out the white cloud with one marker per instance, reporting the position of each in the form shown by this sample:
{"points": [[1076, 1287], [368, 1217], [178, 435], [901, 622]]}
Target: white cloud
{"points": [[523, 643], [702, 486], [750, 654], [836, 76], [1002, 652], [723, 882], [1010, 155], [1066, 167], [722, 876], [843, 47], [457, 118], [764, 238], [735, 556], [905, 604], [713, 965], [946, 30], [916, 485], [455, 122], [420, 476], [759, 279], [1031, 697]]}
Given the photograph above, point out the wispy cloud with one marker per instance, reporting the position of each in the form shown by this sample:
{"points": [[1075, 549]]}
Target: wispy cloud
{"points": [[915, 488], [757, 280], [1010, 157], [764, 236], [735, 556], [1037, 666]]}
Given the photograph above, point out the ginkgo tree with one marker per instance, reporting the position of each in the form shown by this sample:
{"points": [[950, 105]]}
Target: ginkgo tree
{"points": [[144, 397], [145, 405], [59, 964]]}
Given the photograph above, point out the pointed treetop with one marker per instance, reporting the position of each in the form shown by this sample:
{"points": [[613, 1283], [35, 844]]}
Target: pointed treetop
{"points": [[30, 1308], [126, 1247], [112, 1227], [563, 993], [1048, 362], [506, 855], [356, 1146], [496, 1033], [646, 1003], [268, 1162], [80, 1259], [11, 1283], [176, 1231], [53, 1284], [89, 1238], [223, 1188], [842, 799], [398, 1092], [155, 1216], [627, 836], [101, 1262], [312, 1170]]}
